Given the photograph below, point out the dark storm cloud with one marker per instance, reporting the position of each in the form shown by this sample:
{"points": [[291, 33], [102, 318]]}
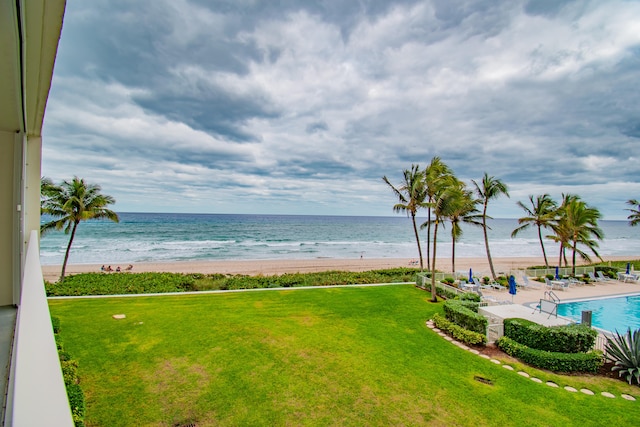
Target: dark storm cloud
{"points": [[184, 105]]}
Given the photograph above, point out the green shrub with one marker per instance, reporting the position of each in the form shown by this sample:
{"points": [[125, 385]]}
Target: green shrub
{"points": [[464, 313], [58, 341], [75, 394], [55, 323], [624, 351], [448, 280], [564, 339], [76, 401], [611, 272], [469, 296], [69, 371], [121, 283], [443, 292], [458, 332], [553, 361]]}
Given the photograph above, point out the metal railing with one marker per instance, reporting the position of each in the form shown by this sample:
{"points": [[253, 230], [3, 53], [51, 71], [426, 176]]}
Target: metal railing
{"points": [[37, 395]]}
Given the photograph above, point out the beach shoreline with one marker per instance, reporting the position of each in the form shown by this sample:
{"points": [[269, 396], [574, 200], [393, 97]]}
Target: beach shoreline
{"points": [[271, 267]]}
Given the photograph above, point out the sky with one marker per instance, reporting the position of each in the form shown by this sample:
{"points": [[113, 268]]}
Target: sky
{"points": [[300, 107]]}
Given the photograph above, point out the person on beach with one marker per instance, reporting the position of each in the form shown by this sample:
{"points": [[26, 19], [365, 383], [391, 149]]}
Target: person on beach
{"points": [[102, 268], [118, 269]]}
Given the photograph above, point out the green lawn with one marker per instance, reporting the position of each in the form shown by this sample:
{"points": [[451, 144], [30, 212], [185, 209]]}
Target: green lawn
{"points": [[338, 356]]}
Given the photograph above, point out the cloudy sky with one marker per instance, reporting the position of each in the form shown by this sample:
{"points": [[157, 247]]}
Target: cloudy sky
{"points": [[300, 107]]}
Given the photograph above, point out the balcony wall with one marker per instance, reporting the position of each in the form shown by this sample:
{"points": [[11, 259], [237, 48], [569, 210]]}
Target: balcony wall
{"points": [[37, 395]]}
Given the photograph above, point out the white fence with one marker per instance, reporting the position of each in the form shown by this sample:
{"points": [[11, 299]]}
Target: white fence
{"points": [[564, 271]]}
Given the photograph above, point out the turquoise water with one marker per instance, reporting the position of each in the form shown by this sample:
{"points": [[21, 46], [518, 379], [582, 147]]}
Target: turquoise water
{"points": [[611, 314], [158, 237]]}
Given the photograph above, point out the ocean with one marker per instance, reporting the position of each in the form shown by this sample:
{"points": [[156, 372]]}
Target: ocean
{"points": [[166, 237]]}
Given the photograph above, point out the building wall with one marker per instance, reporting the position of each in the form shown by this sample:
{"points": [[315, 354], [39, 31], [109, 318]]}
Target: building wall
{"points": [[8, 230]]}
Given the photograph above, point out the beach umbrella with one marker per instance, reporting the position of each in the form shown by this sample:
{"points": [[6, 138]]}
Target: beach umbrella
{"points": [[470, 275], [628, 267], [512, 286], [557, 273]]}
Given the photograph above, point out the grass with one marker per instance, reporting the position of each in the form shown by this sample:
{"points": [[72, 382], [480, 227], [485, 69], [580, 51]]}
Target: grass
{"points": [[332, 356]]}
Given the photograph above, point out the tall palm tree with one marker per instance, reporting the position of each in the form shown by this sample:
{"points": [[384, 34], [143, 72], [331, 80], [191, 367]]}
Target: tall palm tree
{"points": [[411, 195], [634, 218], [461, 209], [582, 223], [562, 228], [488, 189], [433, 174], [442, 206], [541, 214], [70, 203]]}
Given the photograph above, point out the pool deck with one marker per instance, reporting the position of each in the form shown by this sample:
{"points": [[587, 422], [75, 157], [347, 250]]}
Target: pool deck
{"points": [[600, 289]]}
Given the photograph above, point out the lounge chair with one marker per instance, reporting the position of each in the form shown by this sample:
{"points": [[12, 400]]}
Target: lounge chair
{"points": [[527, 284], [572, 281], [602, 277], [496, 285], [480, 285], [593, 277], [556, 284]]}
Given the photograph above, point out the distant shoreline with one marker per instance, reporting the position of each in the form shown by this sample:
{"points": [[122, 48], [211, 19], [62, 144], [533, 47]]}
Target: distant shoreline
{"points": [[273, 267]]}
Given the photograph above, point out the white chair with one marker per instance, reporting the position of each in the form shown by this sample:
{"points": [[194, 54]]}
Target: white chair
{"points": [[527, 284], [556, 284]]}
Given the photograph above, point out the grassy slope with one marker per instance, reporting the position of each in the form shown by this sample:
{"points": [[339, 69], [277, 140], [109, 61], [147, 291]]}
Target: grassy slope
{"points": [[343, 356]]}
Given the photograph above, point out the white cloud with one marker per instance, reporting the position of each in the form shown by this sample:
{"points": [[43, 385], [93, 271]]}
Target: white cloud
{"points": [[302, 108]]}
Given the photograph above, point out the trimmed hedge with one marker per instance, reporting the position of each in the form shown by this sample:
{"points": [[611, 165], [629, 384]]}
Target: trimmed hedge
{"points": [[553, 361], [464, 313], [69, 369], [562, 339], [470, 296], [458, 332]]}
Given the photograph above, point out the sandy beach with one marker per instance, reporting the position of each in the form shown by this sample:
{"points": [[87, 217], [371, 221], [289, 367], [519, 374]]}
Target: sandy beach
{"points": [[270, 267]]}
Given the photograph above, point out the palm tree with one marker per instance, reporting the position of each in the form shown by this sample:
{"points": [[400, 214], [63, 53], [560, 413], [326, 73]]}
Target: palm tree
{"points": [[442, 206], [561, 227], [411, 196], [71, 202], [489, 188], [541, 214], [461, 209], [582, 223], [435, 172], [634, 218]]}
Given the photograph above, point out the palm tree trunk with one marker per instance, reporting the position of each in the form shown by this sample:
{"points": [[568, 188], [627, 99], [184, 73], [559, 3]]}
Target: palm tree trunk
{"points": [[66, 254], [428, 237], [544, 253], [415, 231], [573, 267], [453, 256], [434, 296], [486, 241], [560, 256]]}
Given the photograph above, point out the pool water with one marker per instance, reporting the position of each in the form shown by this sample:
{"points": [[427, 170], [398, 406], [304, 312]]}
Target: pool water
{"points": [[611, 314]]}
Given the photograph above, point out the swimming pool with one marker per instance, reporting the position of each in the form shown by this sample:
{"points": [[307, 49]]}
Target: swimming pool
{"points": [[611, 314]]}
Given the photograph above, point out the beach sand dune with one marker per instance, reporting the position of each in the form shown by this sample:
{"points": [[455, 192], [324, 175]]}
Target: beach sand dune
{"points": [[480, 266]]}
